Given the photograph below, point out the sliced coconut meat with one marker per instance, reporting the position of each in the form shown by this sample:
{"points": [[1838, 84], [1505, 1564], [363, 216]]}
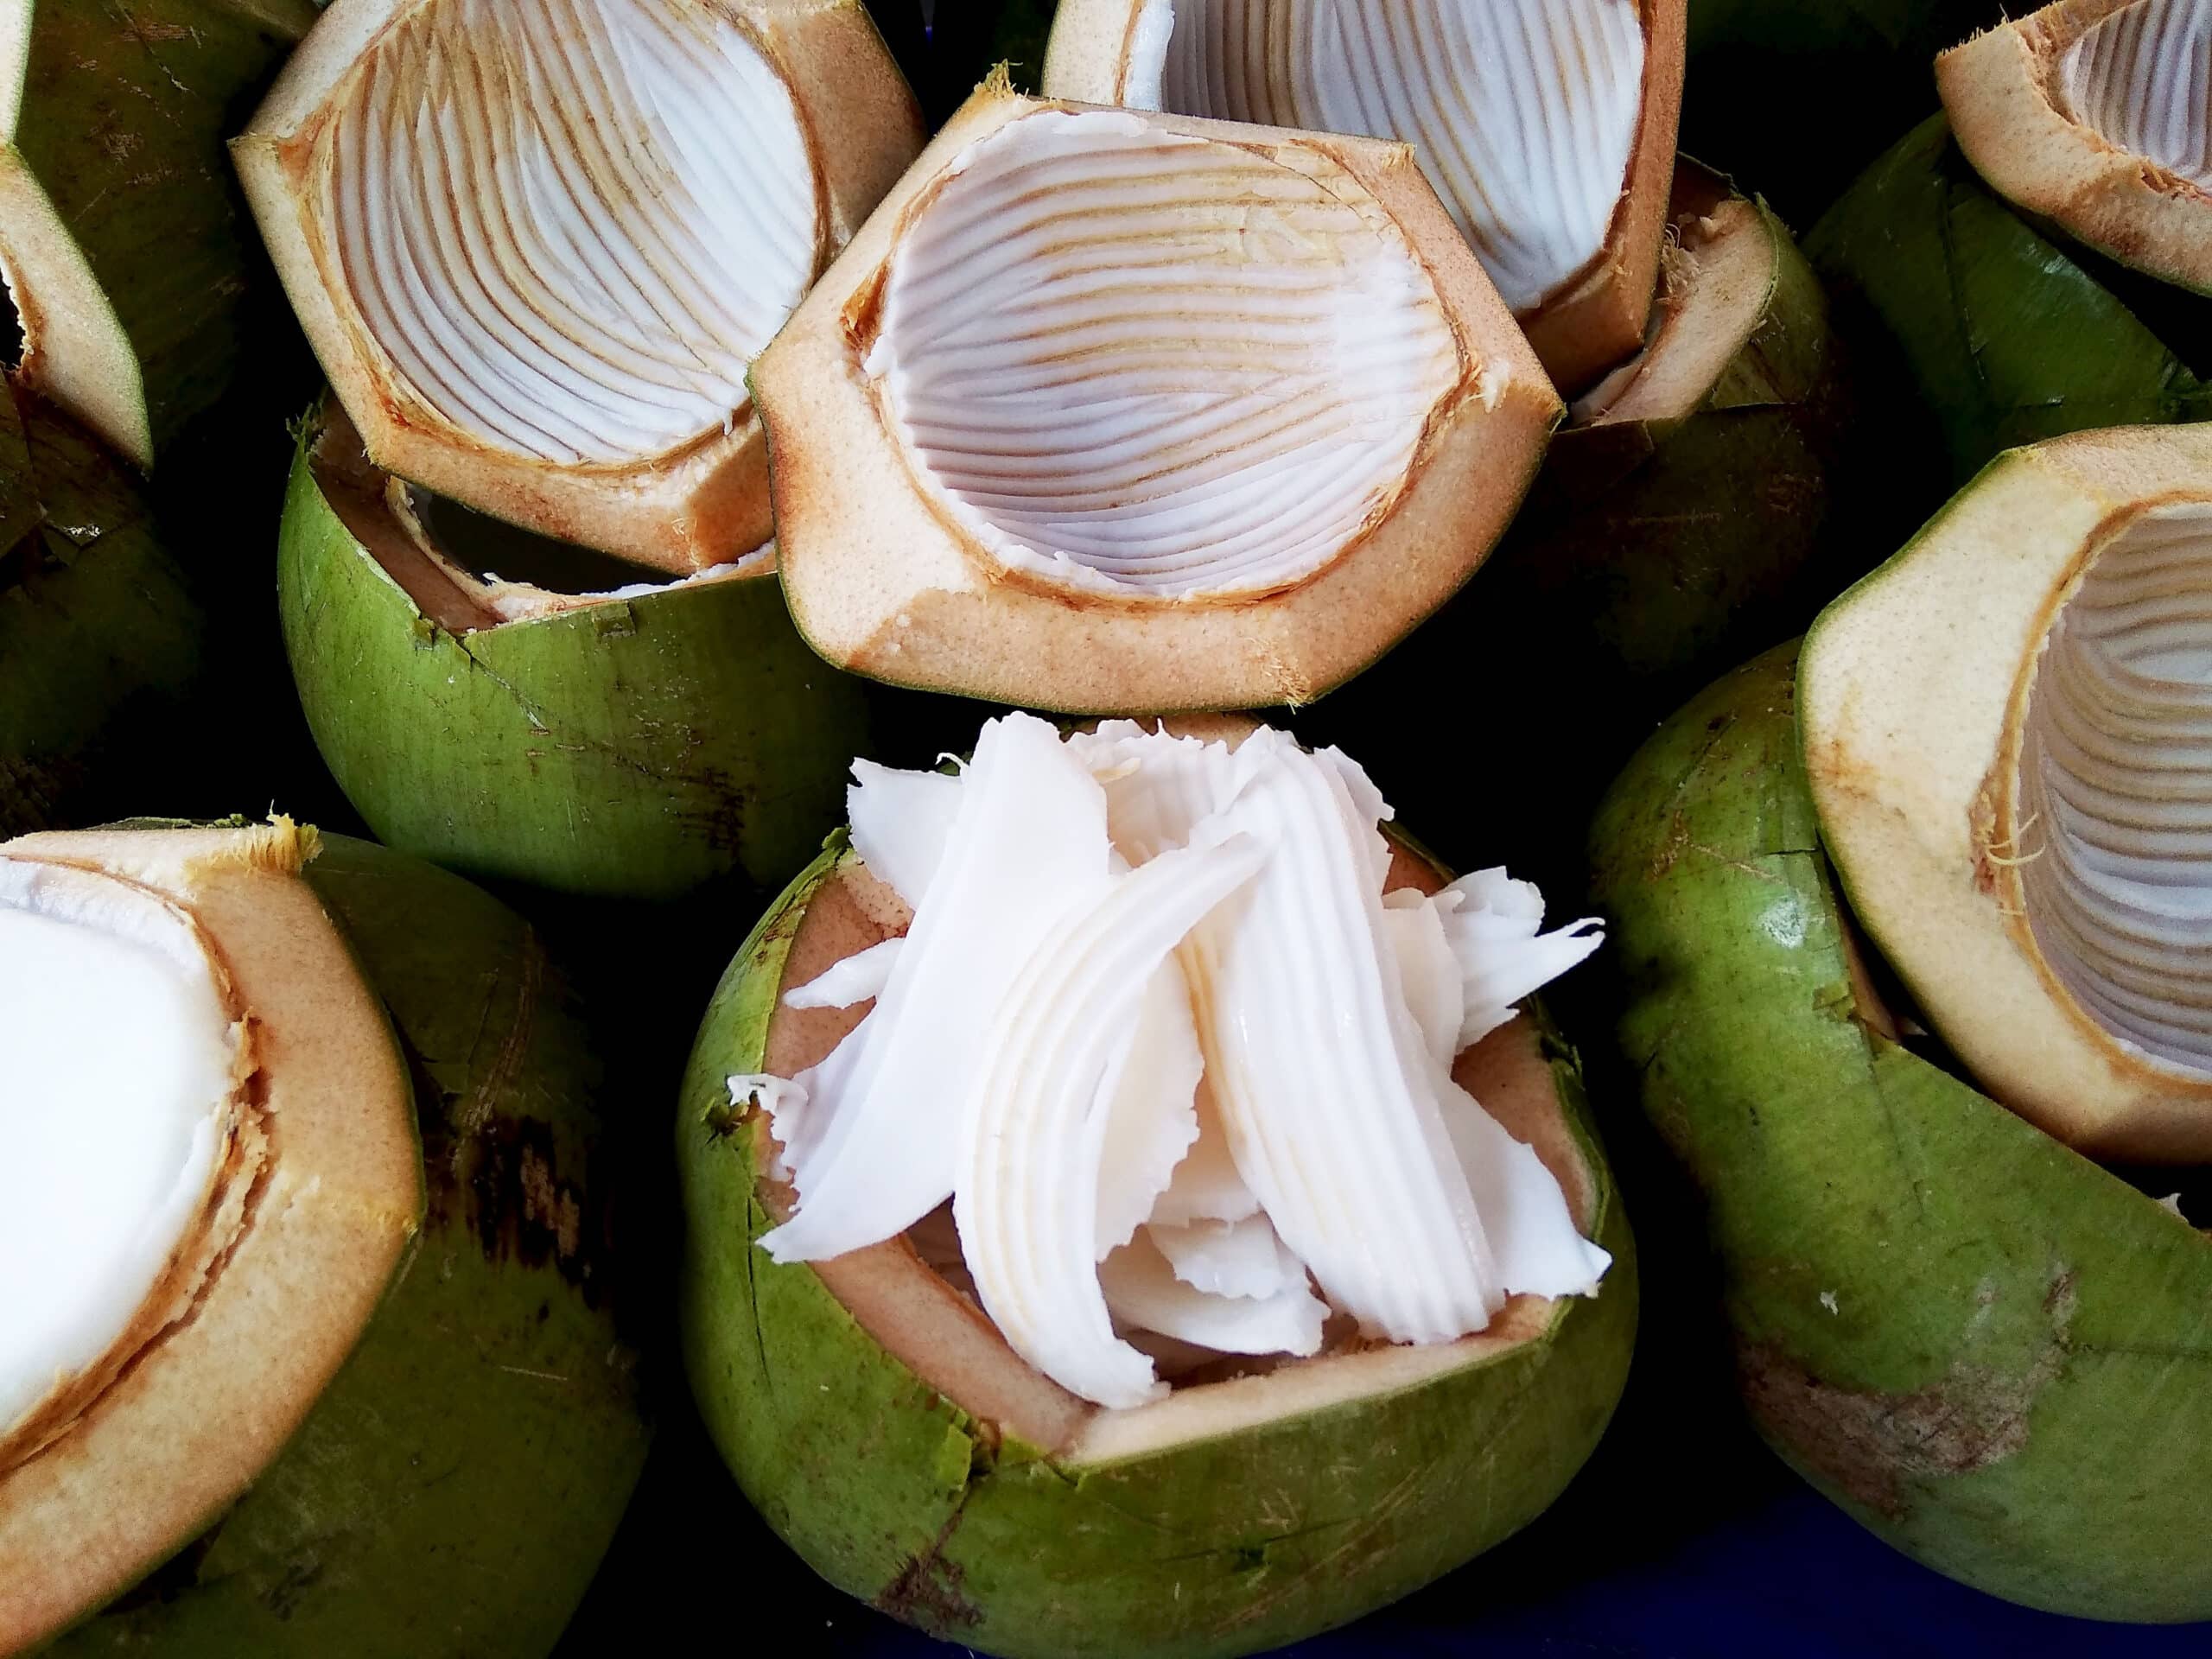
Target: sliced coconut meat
{"points": [[1140, 361], [118, 1111], [1204, 1092], [2142, 77], [2116, 788]]}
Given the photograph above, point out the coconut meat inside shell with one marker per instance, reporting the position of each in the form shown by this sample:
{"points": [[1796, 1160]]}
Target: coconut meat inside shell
{"points": [[2141, 77], [120, 1113], [1136, 361]]}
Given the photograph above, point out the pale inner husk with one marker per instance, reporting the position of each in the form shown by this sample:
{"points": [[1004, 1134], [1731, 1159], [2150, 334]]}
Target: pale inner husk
{"points": [[568, 226], [2115, 789], [1523, 113], [1131, 361], [2142, 78], [114, 1114]]}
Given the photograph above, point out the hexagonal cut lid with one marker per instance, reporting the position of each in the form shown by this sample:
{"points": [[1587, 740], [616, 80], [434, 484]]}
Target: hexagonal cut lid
{"points": [[2093, 113], [1120, 412], [537, 243], [1547, 128], [2008, 734]]}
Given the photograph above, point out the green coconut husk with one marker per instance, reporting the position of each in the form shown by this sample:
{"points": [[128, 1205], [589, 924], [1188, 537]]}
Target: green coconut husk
{"points": [[1995, 332], [453, 1489], [1984, 1348], [635, 748], [101, 634], [125, 240], [1224, 1545]]}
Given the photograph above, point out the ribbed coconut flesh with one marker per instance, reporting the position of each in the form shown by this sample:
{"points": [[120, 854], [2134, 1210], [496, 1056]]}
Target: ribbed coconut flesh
{"points": [[211, 1174], [1114, 412], [1161, 1025], [2096, 115], [540, 242], [2009, 735], [1528, 116]]}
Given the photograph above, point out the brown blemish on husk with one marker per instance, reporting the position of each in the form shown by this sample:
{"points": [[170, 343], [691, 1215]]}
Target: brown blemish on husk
{"points": [[927, 1592]]}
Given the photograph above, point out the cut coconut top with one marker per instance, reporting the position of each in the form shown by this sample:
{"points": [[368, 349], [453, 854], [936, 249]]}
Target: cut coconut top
{"points": [[1548, 128], [1191, 1076], [2009, 739], [1114, 411], [212, 1175], [539, 243], [2094, 113]]}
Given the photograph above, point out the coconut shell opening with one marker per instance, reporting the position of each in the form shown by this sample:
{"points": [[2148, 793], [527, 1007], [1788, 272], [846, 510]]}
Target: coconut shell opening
{"points": [[2092, 114], [907, 1292], [311, 1189]]}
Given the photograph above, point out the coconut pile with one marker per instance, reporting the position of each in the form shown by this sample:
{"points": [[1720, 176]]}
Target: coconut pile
{"points": [[1178, 1062]]}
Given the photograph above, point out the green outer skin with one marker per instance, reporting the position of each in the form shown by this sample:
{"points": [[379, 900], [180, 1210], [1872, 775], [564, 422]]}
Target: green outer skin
{"points": [[101, 633], [453, 1490], [126, 107], [1994, 329], [1225, 1547], [2013, 1379], [633, 749]]}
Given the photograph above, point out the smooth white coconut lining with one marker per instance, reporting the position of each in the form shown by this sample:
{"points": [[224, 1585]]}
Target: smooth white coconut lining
{"points": [[1134, 361], [569, 224], [1524, 113], [2142, 78], [1180, 1066], [116, 1116], [2115, 794]]}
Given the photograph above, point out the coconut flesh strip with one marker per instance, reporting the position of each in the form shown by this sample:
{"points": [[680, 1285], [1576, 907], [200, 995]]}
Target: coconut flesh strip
{"points": [[1524, 113], [2115, 789], [120, 1096], [1129, 360], [2142, 78], [1206, 1093]]}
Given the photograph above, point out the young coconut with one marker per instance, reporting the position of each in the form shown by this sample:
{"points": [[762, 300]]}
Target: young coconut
{"points": [[1546, 126], [537, 246], [2093, 113], [2002, 736], [1061, 1355], [1223, 448], [1982, 1346], [638, 739], [305, 1346], [125, 247]]}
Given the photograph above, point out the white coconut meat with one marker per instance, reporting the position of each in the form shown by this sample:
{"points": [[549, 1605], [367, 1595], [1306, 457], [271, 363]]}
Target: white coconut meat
{"points": [[1131, 361], [1195, 1074], [1524, 113], [2142, 78], [117, 1112], [2115, 788]]}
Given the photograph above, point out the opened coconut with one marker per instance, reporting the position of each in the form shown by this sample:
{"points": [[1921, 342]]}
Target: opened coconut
{"points": [[537, 246], [305, 1338], [1222, 449], [1080, 1158], [1548, 128], [520, 708]]}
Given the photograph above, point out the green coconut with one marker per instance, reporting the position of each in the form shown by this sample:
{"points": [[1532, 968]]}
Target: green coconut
{"points": [[124, 242], [962, 1492], [450, 1489], [1985, 1348], [633, 746], [101, 633], [2001, 332]]}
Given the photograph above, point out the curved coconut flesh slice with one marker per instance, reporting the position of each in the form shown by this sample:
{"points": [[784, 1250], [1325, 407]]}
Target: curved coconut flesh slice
{"points": [[2094, 114], [1547, 128], [120, 241], [1221, 448], [194, 1236], [537, 246], [2007, 738]]}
